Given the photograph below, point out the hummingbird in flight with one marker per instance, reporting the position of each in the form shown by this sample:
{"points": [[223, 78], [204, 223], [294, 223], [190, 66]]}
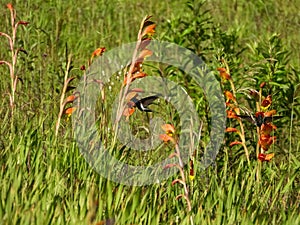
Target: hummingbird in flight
{"points": [[259, 118], [142, 104]]}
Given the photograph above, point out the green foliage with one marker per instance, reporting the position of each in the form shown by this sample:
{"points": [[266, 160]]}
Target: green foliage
{"points": [[44, 179]]}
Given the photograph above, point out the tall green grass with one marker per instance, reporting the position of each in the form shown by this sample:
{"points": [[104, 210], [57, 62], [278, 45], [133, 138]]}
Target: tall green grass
{"points": [[44, 179]]}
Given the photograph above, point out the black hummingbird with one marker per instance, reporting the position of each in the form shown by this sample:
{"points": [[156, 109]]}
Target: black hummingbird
{"points": [[259, 118], [143, 103]]}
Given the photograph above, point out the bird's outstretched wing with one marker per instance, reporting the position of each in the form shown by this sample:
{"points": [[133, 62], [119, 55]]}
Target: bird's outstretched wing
{"points": [[271, 118], [248, 118]]}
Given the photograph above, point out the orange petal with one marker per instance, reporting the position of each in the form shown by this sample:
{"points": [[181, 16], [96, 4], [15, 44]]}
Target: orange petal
{"points": [[265, 157], [231, 114], [168, 128], [70, 110], [270, 113], [269, 156], [9, 6], [128, 111], [138, 90], [229, 96], [145, 53], [231, 129], [98, 52], [223, 74], [135, 76], [267, 128], [235, 143], [149, 30], [261, 157], [71, 98], [166, 138]]}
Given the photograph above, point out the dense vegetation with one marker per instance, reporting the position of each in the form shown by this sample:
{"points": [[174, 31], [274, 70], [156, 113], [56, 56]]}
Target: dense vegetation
{"points": [[44, 177]]}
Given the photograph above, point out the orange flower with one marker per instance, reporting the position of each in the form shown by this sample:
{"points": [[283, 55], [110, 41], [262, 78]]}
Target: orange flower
{"points": [[144, 53], [166, 138], [231, 129], [229, 96], [266, 140], [149, 30], [135, 76], [168, 128], [266, 102], [265, 157], [270, 113], [70, 110], [9, 6], [231, 114], [128, 111], [223, 74], [98, 52], [267, 128], [71, 98]]}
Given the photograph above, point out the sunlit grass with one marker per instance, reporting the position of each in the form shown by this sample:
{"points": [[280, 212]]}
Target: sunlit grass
{"points": [[44, 179]]}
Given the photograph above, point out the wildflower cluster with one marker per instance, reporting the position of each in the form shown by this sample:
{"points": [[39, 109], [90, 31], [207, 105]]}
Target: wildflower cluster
{"points": [[262, 118]]}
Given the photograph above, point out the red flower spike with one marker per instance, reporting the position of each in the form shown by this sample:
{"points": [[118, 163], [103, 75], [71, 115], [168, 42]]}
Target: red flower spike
{"points": [[130, 96], [82, 67], [179, 196]]}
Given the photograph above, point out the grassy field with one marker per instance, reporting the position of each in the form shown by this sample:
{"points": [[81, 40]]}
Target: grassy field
{"points": [[44, 177]]}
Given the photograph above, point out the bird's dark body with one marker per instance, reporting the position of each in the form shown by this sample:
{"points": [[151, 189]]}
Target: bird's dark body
{"points": [[143, 103]]}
